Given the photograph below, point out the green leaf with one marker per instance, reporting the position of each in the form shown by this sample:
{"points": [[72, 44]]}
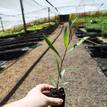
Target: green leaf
{"points": [[52, 81], [72, 23], [92, 42], [78, 44], [66, 38], [74, 20], [82, 40], [51, 46]]}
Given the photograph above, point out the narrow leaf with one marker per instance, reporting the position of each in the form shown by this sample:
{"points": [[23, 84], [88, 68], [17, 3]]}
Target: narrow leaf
{"points": [[78, 44], [92, 42], [70, 22], [74, 21], [72, 69], [71, 34], [82, 40], [62, 73], [52, 81], [51, 46], [65, 83], [66, 38]]}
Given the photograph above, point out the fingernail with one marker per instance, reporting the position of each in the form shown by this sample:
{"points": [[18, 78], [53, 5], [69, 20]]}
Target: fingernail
{"points": [[60, 101]]}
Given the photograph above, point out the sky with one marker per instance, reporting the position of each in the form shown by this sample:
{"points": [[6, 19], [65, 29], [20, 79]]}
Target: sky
{"points": [[32, 5], [34, 9]]}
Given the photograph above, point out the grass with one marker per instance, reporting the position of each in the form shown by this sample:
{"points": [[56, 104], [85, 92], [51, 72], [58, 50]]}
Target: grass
{"points": [[10, 32], [99, 22], [40, 26], [19, 29], [93, 22]]}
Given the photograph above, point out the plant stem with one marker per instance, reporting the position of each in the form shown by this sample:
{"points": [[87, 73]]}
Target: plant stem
{"points": [[70, 34], [58, 80], [62, 59]]}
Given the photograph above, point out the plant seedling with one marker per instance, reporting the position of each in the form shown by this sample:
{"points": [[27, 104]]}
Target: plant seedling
{"points": [[59, 92]]}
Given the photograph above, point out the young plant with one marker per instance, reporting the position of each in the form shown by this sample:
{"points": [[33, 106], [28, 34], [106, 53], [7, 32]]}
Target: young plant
{"points": [[60, 59], [59, 92]]}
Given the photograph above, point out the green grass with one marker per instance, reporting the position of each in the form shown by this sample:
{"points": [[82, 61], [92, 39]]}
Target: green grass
{"points": [[99, 22], [12, 31], [19, 29], [9, 33], [40, 26]]}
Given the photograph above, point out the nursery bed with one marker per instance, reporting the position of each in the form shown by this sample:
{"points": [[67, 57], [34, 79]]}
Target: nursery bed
{"points": [[16, 45]]}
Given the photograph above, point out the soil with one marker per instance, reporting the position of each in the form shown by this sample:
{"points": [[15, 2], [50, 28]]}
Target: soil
{"points": [[58, 93], [84, 85]]}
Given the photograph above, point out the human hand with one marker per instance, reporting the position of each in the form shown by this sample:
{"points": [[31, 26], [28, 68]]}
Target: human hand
{"points": [[37, 98]]}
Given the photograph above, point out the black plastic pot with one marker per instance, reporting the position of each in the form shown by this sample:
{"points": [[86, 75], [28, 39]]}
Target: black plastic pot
{"points": [[58, 93]]}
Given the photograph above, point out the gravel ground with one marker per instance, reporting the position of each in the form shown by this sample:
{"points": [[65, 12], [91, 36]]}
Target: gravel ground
{"points": [[86, 86]]}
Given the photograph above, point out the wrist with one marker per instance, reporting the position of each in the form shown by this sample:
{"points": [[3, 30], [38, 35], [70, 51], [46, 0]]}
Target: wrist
{"points": [[26, 102], [19, 103], [29, 102]]}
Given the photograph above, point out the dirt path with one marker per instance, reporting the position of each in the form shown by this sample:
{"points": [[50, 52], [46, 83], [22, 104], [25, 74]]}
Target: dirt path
{"points": [[86, 86]]}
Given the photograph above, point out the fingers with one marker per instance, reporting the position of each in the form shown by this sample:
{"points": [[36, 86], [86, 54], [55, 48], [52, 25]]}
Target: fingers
{"points": [[54, 101], [46, 91], [43, 87]]}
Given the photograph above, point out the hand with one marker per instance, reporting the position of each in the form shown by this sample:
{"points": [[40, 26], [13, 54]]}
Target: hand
{"points": [[37, 98]]}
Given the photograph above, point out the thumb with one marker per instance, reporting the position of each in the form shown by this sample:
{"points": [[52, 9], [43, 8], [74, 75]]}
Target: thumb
{"points": [[54, 101]]}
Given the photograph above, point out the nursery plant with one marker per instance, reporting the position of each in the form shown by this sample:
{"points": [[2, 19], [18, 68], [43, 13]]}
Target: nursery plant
{"points": [[67, 38]]}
